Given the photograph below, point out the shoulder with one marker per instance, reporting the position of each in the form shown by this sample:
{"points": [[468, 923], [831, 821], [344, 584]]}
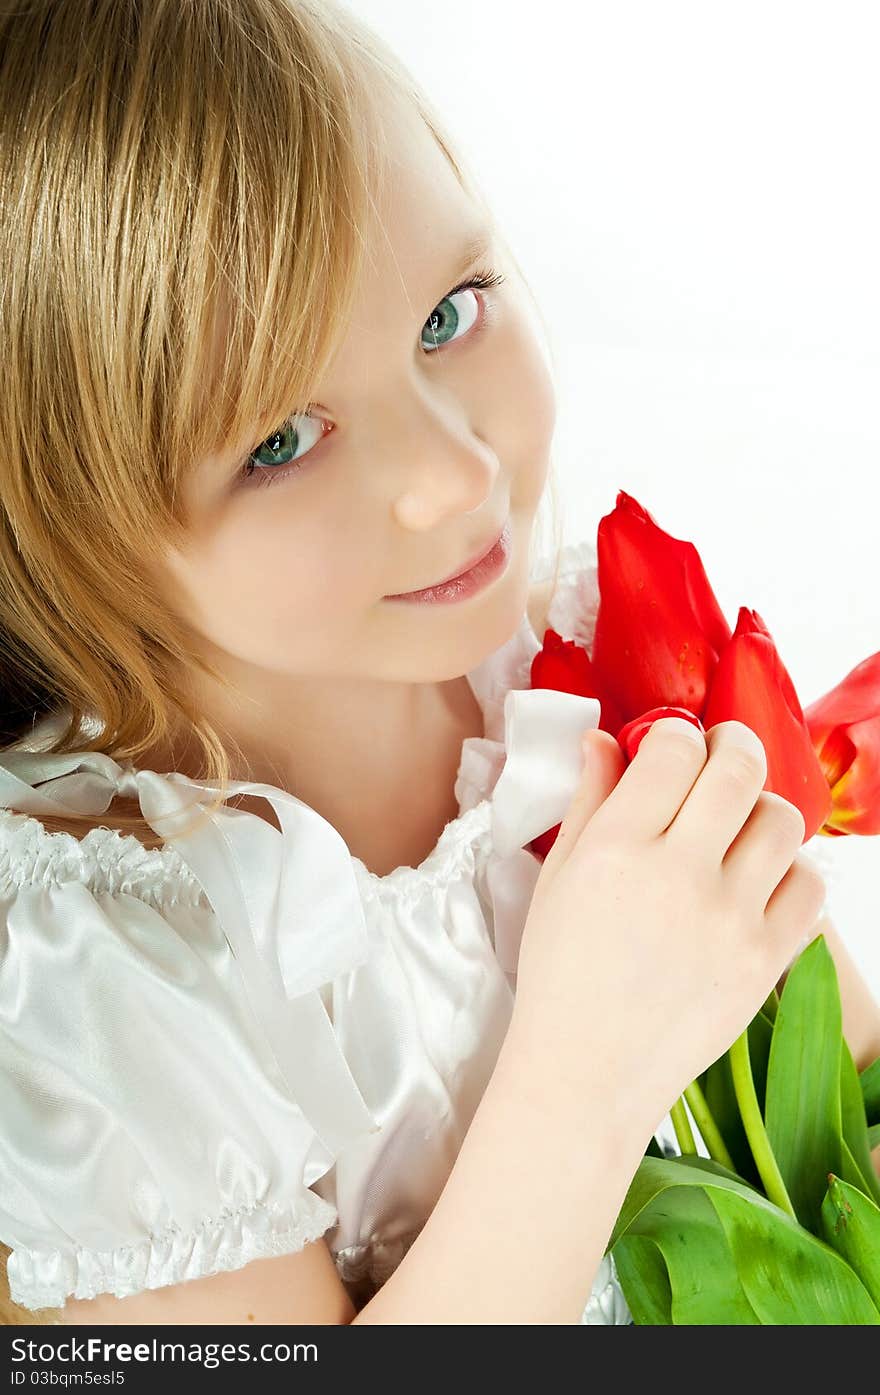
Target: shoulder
{"points": [[147, 1135]]}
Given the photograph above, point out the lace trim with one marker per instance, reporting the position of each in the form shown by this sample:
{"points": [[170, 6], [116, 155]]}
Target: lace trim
{"points": [[46, 1279], [452, 856], [104, 860]]}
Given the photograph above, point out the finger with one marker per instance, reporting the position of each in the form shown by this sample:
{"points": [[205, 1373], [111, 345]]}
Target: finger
{"points": [[656, 782], [766, 846], [604, 763], [725, 794], [794, 906]]}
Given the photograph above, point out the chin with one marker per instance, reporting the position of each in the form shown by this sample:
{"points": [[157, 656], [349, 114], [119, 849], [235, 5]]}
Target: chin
{"points": [[489, 620]]}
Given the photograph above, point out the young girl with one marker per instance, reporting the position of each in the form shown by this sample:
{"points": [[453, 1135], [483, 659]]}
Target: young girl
{"points": [[292, 1027]]}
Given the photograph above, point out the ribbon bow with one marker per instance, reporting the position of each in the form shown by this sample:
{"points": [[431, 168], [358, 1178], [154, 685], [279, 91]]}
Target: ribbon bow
{"points": [[543, 733], [289, 903], [289, 896]]}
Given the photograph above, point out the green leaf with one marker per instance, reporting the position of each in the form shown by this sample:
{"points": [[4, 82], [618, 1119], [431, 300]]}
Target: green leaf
{"points": [[787, 1275], [644, 1280], [790, 1277], [856, 1164], [701, 1273], [653, 1149], [873, 1135], [850, 1170], [851, 1224], [717, 1086], [802, 1107], [870, 1083], [654, 1175]]}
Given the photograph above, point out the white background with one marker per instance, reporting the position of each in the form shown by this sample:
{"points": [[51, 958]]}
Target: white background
{"points": [[692, 192]]}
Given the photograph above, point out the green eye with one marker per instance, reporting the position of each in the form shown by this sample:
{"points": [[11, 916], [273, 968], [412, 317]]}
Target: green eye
{"points": [[454, 315], [448, 318], [281, 454]]}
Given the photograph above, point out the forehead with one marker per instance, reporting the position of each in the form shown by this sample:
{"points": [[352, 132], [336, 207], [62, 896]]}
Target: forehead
{"points": [[428, 231], [425, 217]]}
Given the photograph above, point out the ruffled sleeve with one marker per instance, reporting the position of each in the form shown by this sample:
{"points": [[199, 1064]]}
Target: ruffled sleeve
{"points": [[148, 1136], [172, 1087]]}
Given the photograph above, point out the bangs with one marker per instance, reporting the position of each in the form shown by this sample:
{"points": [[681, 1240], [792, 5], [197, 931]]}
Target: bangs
{"points": [[284, 209], [190, 190]]}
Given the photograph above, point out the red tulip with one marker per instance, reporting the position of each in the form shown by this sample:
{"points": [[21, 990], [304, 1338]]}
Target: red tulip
{"points": [[659, 628], [752, 685], [630, 737], [565, 666], [662, 647], [844, 727]]}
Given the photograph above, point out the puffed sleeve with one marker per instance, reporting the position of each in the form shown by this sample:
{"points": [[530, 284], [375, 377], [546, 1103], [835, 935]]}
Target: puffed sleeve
{"points": [[147, 1135]]}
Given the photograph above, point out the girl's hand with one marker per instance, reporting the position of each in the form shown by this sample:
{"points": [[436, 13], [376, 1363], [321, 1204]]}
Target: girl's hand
{"points": [[666, 910]]}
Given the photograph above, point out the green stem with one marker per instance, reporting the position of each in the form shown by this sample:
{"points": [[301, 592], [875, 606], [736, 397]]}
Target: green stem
{"points": [[750, 1112], [770, 1007], [708, 1128], [682, 1125]]}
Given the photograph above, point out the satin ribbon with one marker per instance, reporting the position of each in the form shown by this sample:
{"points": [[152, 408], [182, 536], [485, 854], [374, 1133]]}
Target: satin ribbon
{"points": [[291, 900], [543, 730], [291, 894]]}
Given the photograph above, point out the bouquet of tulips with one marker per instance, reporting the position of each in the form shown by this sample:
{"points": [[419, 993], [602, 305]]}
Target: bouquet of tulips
{"points": [[780, 1224]]}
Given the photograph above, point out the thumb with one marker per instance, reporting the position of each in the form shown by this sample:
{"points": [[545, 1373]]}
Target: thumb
{"points": [[604, 763]]}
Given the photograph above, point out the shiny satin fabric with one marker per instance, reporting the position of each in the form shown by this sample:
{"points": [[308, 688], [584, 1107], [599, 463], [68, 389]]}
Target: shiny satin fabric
{"points": [[229, 1046]]}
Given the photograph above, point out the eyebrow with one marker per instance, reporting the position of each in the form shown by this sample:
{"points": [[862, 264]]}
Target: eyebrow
{"points": [[477, 246]]}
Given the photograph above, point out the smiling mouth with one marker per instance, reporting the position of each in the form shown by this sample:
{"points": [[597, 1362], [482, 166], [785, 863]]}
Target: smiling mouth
{"points": [[480, 574], [454, 576]]}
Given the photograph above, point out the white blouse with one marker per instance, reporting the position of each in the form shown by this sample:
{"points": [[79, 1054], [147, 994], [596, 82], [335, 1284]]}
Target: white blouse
{"points": [[227, 1047]]}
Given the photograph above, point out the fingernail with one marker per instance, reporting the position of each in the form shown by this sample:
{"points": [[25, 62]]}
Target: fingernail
{"points": [[679, 724]]}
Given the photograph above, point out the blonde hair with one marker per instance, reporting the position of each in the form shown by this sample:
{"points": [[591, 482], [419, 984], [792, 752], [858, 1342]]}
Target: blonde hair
{"points": [[174, 175]]}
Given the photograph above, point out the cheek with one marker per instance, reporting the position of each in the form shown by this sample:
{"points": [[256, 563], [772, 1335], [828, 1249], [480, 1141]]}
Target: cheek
{"points": [[269, 589], [525, 403]]}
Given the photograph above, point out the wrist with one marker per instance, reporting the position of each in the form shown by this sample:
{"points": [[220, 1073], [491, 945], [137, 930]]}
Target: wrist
{"points": [[597, 1096]]}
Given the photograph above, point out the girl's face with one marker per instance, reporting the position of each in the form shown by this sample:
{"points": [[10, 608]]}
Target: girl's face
{"points": [[432, 427]]}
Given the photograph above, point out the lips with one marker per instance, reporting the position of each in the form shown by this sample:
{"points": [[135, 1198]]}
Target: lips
{"points": [[460, 571]]}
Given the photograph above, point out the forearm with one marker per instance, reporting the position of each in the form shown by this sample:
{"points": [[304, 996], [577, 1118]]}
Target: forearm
{"points": [[519, 1231]]}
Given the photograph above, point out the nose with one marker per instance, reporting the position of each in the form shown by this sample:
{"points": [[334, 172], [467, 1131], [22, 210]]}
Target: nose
{"points": [[440, 465]]}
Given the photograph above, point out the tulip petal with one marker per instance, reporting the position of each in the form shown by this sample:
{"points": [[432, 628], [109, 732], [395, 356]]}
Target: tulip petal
{"points": [[566, 666], [855, 795], [854, 699], [844, 727], [630, 737], [659, 627], [752, 685]]}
